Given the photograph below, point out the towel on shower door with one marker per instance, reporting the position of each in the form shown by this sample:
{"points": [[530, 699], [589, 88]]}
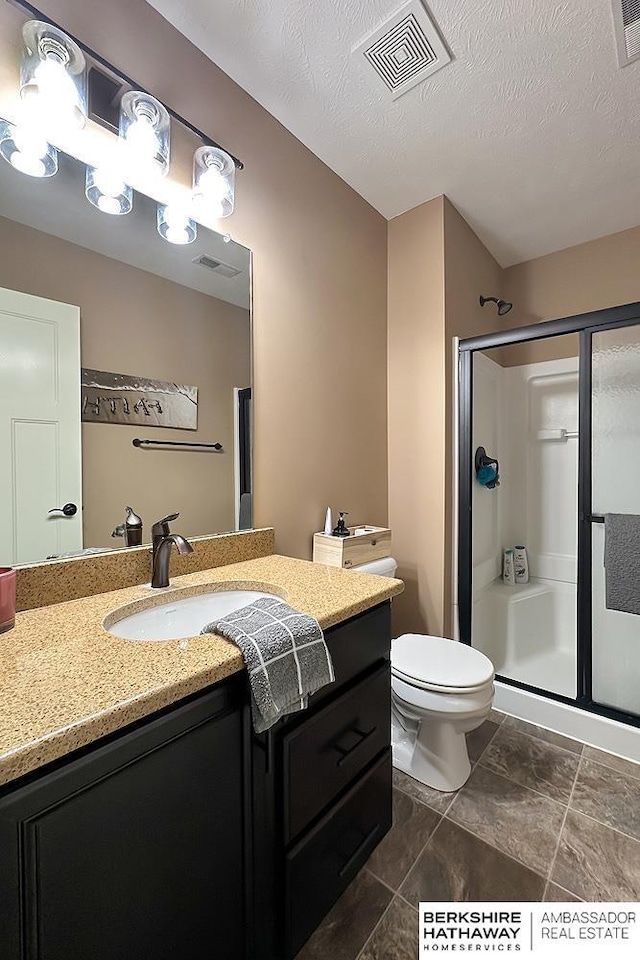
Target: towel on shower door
{"points": [[284, 652], [622, 562]]}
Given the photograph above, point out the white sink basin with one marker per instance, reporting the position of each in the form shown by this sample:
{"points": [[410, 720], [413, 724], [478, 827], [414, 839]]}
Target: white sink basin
{"points": [[178, 618]]}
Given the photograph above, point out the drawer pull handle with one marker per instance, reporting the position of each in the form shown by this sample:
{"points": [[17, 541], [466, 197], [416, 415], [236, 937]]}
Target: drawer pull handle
{"points": [[357, 853], [346, 754], [373, 543]]}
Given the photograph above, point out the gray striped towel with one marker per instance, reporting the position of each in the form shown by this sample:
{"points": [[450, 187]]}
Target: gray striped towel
{"points": [[285, 655]]}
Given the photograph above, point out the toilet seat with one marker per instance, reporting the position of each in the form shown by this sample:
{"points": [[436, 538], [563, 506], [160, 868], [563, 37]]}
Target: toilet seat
{"points": [[421, 702], [438, 665]]}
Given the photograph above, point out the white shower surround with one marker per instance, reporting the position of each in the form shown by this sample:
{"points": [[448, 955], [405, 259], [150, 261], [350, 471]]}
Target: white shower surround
{"points": [[530, 632]]}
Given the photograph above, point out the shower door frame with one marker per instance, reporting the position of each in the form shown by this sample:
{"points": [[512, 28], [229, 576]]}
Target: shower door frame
{"points": [[585, 325]]}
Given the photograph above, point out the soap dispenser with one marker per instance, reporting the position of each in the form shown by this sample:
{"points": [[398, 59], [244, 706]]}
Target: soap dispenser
{"points": [[131, 529], [341, 529]]}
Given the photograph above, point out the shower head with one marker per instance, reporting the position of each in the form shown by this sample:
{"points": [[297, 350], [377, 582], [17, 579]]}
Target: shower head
{"points": [[503, 305]]}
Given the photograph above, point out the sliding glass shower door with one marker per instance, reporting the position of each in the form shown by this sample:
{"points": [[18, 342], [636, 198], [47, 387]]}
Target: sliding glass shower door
{"points": [[554, 409], [615, 465]]}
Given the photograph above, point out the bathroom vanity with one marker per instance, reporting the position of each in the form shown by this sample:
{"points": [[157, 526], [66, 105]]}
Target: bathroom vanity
{"points": [[182, 832]]}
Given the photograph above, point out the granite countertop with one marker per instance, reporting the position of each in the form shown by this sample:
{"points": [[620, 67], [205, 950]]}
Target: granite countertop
{"points": [[65, 681]]}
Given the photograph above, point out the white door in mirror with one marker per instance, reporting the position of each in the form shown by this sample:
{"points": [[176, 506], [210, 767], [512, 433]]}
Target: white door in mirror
{"points": [[40, 466], [182, 618]]}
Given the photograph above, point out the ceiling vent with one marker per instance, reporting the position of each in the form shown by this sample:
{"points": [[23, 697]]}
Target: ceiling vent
{"points": [[218, 266], [626, 17], [405, 50]]}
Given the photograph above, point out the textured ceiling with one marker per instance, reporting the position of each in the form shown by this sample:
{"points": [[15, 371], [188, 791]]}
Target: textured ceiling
{"points": [[533, 131]]}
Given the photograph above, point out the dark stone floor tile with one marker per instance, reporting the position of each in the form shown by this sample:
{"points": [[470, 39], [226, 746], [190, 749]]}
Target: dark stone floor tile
{"points": [[609, 797], [532, 762], [497, 716], [480, 738], [346, 928], [556, 894], [628, 767], [458, 866], [509, 816], [396, 936], [413, 824], [436, 799], [548, 735], [597, 863]]}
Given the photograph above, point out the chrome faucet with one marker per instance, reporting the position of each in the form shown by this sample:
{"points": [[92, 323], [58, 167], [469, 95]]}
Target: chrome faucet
{"points": [[163, 541]]}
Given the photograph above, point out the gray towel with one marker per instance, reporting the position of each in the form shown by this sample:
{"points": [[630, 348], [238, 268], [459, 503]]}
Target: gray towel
{"points": [[622, 561], [285, 655]]}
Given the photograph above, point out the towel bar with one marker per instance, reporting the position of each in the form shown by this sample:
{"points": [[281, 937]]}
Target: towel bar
{"points": [[176, 443]]}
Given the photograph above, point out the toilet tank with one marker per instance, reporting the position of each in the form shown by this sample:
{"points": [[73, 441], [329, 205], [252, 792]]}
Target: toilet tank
{"points": [[386, 567]]}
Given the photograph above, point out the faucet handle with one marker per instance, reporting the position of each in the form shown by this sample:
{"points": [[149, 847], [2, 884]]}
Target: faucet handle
{"points": [[161, 527]]}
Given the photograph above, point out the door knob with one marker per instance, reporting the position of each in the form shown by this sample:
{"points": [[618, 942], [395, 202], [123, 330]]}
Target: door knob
{"points": [[69, 510]]}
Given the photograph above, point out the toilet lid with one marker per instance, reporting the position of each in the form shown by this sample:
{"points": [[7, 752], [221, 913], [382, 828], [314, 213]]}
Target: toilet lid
{"points": [[434, 661]]}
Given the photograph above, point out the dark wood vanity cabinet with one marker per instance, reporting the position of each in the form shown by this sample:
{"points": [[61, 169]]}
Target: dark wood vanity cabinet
{"points": [[323, 779], [136, 849], [189, 836]]}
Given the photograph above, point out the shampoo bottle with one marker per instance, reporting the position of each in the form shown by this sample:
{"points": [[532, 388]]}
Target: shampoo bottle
{"points": [[508, 572], [521, 564]]}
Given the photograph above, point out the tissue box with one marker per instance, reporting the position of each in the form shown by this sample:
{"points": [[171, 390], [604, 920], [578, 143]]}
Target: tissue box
{"points": [[364, 544]]}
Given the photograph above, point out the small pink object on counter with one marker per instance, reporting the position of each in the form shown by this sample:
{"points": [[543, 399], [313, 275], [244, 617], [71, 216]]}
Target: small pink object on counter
{"points": [[7, 598]]}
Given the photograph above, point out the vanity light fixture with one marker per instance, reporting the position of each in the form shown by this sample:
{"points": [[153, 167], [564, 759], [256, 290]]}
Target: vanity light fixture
{"points": [[53, 79], [27, 150], [214, 173], [145, 132], [106, 190], [175, 225]]}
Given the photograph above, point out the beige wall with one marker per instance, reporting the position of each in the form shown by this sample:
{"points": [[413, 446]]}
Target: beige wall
{"points": [[437, 270], [591, 276], [137, 323], [470, 271], [319, 282], [417, 402]]}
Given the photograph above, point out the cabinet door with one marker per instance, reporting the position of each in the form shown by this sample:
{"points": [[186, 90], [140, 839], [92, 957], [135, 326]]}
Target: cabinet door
{"points": [[135, 850]]}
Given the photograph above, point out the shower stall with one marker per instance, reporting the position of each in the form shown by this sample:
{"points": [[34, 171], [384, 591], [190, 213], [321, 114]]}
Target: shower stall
{"points": [[557, 405]]}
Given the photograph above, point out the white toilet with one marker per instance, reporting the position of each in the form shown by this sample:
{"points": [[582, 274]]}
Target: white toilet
{"points": [[440, 691]]}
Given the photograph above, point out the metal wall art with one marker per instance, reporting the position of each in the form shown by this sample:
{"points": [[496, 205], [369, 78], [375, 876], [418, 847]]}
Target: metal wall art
{"points": [[118, 398]]}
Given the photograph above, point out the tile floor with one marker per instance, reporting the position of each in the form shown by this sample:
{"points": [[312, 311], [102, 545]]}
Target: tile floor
{"points": [[540, 818]]}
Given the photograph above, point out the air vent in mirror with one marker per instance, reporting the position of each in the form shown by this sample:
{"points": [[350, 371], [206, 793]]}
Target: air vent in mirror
{"points": [[218, 266]]}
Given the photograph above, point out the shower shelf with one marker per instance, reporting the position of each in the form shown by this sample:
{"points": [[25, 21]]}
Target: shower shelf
{"points": [[556, 436]]}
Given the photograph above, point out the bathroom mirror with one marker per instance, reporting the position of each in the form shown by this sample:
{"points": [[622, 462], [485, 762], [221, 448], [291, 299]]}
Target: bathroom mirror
{"points": [[109, 335]]}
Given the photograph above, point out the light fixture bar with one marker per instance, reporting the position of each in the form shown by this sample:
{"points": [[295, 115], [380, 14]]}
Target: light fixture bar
{"points": [[33, 11]]}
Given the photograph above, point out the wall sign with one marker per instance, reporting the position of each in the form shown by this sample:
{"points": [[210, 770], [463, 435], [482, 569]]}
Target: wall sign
{"points": [[118, 398]]}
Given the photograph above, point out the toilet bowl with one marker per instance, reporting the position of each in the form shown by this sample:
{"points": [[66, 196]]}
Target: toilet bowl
{"points": [[441, 690]]}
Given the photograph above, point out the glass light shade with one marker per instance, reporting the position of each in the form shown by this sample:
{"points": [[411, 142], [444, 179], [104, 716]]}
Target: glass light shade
{"points": [[214, 176], [53, 77], [175, 225], [106, 190], [27, 150], [145, 131]]}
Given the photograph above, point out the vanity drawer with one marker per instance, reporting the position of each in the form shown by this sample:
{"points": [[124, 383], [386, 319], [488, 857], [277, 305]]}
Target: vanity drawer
{"points": [[321, 867], [323, 755], [355, 646]]}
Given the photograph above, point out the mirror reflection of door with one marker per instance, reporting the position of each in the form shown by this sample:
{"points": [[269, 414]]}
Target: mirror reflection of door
{"points": [[243, 468], [40, 459]]}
